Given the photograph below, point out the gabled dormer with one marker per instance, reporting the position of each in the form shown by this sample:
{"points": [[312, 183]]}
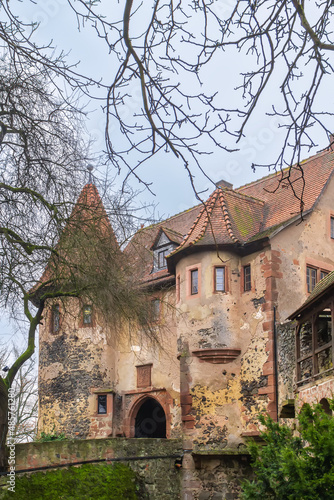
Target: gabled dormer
{"points": [[164, 243]]}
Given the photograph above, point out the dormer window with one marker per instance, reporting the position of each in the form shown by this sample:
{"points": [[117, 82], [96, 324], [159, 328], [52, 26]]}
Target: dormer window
{"points": [[165, 242], [162, 264]]}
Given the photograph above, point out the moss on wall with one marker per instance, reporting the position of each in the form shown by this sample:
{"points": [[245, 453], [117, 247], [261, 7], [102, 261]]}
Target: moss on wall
{"points": [[157, 477], [104, 482]]}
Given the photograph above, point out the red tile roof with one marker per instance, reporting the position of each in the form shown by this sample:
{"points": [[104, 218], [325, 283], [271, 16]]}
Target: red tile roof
{"points": [[226, 218], [249, 213], [87, 213], [229, 217], [140, 247], [276, 191]]}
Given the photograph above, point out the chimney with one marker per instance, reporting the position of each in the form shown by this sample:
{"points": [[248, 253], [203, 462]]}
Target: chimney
{"points": [[224, 183], [331, 142]]}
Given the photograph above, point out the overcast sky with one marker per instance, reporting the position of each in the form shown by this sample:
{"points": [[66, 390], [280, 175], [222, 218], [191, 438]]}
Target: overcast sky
{"points": [[169, 179]]}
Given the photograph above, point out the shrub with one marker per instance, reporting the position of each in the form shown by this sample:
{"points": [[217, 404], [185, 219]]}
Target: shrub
{"points": [[51, 437], [292, 467]]}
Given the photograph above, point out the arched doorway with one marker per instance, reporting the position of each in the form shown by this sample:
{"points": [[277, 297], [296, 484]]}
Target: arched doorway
{"points": [[150, 421]]}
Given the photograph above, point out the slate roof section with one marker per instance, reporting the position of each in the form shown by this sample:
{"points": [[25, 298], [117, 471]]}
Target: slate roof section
{"points": [[140, 246], [173, 236]]}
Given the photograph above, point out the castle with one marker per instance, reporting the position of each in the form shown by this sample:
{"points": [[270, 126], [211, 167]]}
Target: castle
{"points": [[223, 279]]}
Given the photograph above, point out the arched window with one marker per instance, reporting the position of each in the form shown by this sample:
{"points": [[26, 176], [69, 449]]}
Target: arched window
{"points": [[325, 406]]}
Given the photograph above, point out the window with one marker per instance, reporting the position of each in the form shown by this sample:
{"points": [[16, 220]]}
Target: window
{"points": [[311, 278], [220, 279], [323, 274], [87, 314], [313, 275], [178, 288], [162, 258], [247, 278], [155, 310], [194, 281], [314, 346], [332, 227], [55, 325], [102, 404]]}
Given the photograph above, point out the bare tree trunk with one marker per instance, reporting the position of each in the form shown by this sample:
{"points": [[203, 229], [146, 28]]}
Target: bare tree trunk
{"points": [[3, 424]]}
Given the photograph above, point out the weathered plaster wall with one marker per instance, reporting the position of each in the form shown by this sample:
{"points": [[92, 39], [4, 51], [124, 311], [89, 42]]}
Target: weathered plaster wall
{"points": [[136, 350], [72, 363], [304, 242], [225, 399]]}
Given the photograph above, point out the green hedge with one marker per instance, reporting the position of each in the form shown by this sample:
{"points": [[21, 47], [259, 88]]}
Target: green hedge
{"points": [[100, 481]]}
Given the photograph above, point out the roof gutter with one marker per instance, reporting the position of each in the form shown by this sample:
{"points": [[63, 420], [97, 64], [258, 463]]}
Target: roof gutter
{"points": [[238, 248]]}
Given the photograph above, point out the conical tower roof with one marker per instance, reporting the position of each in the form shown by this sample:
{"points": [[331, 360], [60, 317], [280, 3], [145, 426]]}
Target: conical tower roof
{"points": [[227, 218], [88, 222]]}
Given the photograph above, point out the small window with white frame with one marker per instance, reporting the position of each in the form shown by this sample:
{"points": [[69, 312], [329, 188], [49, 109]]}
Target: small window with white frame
{"points": [[220, 279], [194, 281]]}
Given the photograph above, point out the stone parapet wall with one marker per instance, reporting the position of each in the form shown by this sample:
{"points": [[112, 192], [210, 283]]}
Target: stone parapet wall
{"points": [[215, 476], [162, 480]]}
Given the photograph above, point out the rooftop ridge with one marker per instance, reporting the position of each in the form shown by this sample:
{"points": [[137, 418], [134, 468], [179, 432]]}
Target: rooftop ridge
{"points": [[195, 224], [165, 228], [235, 192], [227, 217], [280, 171], [207, 207], [160, 223]]}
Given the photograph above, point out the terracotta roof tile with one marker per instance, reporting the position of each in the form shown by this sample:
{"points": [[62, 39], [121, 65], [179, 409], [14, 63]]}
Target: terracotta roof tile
{"points": [[88, 210], [240, 216], [226, 218], [281, 204]]}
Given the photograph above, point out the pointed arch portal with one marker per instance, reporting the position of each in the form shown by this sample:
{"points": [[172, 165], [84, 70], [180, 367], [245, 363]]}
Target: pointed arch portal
{"points": [[150, 421]]}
